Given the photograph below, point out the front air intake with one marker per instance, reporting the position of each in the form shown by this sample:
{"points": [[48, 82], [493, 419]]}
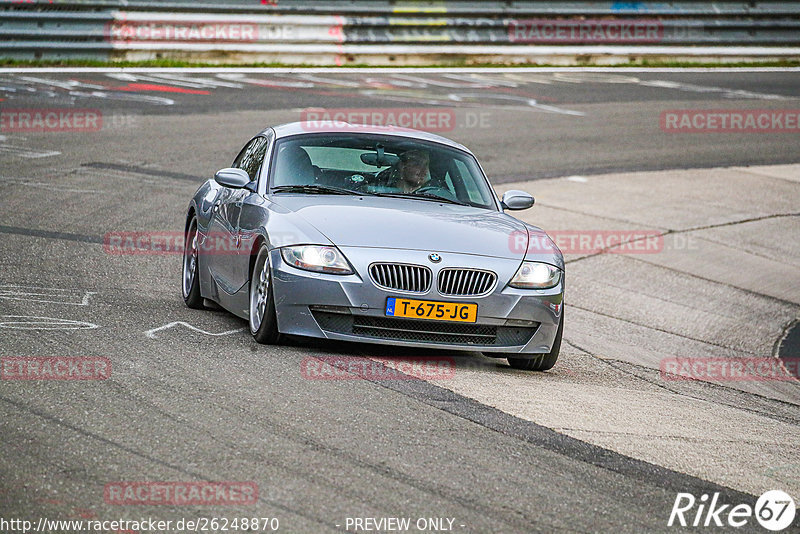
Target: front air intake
{"points": [[401, 277], [465, 282]]}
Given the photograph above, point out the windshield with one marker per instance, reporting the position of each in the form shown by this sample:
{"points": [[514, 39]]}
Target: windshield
{"points": [[378, 165]]}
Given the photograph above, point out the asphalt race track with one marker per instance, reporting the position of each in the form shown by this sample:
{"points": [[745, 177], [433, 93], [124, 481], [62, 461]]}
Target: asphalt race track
{"points": [[604, 442]]}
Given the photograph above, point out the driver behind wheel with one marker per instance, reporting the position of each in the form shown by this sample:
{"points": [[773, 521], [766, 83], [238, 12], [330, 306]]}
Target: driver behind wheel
{"points": [[412, 171]]}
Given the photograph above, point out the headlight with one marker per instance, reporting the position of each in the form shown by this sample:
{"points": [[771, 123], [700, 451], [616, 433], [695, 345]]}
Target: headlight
{"points": [[535, 275], [320, 259]]}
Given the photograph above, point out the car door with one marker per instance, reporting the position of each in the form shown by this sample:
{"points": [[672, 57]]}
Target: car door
{"points": [[252, 164], [224, 239]]}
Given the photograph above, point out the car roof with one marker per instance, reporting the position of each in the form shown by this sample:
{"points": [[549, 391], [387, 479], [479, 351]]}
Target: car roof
{"points": [[300, 128]]}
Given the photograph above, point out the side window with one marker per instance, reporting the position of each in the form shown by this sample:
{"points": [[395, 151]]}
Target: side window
{"points": [[237, 163], [251, 157]]}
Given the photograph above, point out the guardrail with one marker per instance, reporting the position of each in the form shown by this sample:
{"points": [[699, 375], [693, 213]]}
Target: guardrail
{"points": [[397, 32]]}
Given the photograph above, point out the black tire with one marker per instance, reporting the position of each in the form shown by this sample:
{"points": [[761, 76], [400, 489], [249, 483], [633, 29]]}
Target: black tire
{"points": [[190, 279], [263, 320], [545, 361]]}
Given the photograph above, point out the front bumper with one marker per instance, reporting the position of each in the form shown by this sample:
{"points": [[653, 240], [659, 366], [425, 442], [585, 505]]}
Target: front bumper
{"points": [[352, 308]]}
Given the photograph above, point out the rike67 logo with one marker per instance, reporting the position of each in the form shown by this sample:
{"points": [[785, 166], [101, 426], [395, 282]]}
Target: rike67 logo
{"points": [[774, 510]]}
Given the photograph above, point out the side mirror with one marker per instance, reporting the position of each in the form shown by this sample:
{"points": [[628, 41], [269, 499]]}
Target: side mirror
{"points": [[233, 178], [516, 200]]}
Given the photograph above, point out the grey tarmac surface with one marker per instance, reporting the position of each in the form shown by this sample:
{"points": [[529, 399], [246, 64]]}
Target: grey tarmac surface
{"points": [[601, 443]]}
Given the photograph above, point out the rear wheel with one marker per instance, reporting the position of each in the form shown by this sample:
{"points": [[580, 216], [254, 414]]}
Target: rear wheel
{"points": [[191, 280], [263, 319], [545, 361]]}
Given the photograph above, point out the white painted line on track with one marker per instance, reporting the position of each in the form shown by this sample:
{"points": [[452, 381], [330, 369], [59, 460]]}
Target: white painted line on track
{"points": [[152, 333], [28, 153], [49, 295], [30, 322]]}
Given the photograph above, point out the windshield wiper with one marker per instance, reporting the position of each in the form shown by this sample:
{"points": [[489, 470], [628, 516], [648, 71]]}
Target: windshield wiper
{"points": [[422, 196], [313, 189], [442, 199]]}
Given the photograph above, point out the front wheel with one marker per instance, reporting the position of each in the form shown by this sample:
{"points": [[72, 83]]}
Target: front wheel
{"points": [[263, 319], [545, 361], [191, 280]]}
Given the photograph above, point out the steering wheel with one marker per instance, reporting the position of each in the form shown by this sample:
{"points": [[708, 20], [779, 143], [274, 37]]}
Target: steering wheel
{"points": [[436, 190]]}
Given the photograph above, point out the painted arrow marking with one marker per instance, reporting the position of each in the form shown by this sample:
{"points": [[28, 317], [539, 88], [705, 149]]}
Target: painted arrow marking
{"points": [[152, 333]]}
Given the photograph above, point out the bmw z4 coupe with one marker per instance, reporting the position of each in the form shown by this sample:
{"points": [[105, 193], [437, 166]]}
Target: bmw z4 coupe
{"points": [[378, 235]]}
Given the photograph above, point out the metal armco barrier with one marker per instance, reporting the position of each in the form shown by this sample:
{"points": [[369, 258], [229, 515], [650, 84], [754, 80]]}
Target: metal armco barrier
{"points": [[397, 32]]}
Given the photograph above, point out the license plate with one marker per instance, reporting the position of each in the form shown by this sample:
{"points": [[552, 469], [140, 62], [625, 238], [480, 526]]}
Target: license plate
{"points": [[436, 311]]}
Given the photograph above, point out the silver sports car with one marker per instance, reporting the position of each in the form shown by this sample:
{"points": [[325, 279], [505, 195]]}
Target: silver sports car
{"points": [[378, 235]]}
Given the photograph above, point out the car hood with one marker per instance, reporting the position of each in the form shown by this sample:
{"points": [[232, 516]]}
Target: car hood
{"points": [[351, 221]]}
